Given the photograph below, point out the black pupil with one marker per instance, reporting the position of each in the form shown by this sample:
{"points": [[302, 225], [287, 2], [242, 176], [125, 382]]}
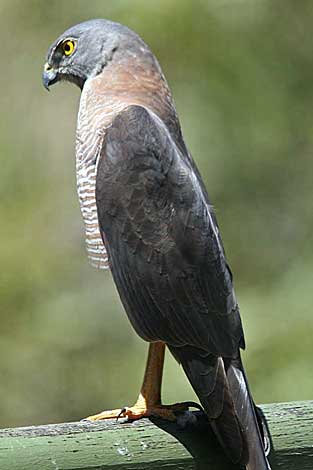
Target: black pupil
{"points": [[67, 47]]}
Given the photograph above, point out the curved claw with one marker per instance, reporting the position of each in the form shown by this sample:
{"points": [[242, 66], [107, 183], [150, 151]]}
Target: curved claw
{"points": [[123, 411], [140, 410]]}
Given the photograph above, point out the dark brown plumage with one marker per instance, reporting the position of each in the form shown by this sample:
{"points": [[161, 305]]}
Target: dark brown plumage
{"points": [[152, 211]]}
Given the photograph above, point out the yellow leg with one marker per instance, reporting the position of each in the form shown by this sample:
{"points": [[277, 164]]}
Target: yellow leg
{"points": [[149, 399]]}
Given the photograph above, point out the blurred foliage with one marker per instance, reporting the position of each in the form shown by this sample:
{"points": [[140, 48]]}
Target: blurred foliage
{"points": [[241, 72]]}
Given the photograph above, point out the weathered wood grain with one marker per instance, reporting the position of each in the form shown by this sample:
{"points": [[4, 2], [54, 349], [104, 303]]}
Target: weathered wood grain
{"points": [[152, 445]]}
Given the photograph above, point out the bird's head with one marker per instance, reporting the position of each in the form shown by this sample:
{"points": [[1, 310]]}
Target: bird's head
{"points": [[84, 50]]}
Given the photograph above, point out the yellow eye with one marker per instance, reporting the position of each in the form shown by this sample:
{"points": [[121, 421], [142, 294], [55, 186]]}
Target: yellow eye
{"points": [[68, 47]]}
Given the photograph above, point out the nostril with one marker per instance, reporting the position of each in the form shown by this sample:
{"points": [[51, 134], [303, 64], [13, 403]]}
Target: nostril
{"points": [[47, 67]]}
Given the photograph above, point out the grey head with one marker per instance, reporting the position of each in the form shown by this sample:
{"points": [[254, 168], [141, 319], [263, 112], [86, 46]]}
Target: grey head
{"points": [[84, 50]]}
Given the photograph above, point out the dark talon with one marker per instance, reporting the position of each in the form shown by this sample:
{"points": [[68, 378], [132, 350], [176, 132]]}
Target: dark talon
{"points": [[193, 404], [184, 407], [123, 410]]}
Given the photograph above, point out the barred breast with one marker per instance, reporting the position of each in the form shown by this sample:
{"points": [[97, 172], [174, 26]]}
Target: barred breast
{"points": [[93, 119]]}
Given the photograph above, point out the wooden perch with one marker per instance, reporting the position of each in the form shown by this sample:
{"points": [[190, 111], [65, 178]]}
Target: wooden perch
{"points": [[152, 445]]}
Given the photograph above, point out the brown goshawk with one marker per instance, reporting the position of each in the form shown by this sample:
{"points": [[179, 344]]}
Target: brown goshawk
{"points": [[148, 218]]}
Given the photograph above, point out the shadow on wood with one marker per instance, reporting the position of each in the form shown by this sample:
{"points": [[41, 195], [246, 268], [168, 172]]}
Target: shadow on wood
{"points": [[199, 441]]}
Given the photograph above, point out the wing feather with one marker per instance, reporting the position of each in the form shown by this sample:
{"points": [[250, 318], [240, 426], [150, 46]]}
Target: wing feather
{"points": [[159, 227]]}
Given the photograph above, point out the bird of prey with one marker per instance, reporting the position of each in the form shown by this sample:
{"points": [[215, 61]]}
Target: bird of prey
{"points": [[148, 218]]}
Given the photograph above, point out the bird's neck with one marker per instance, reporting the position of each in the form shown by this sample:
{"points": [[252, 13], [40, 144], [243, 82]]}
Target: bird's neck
{"points": [[119, 86]]}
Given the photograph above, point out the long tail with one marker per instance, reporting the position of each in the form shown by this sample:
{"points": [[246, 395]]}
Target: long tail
{"points": [[223, 391]]}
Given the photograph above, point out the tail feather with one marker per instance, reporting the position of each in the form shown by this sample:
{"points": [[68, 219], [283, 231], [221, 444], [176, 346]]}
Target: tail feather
{"points": [[223, 391], [246, 412]]}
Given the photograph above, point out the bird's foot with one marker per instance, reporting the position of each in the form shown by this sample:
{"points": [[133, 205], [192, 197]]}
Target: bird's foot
{"points": [[141, 410]]}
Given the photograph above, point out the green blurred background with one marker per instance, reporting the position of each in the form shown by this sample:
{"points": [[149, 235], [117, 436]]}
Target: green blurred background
{"points": [[242, 76]]}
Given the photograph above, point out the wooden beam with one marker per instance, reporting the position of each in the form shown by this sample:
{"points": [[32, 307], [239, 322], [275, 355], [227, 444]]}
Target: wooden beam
{"points": [[148, 444]]}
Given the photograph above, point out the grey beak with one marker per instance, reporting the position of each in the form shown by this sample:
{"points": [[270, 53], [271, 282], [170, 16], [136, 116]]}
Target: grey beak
{"points": [[49, 76]]}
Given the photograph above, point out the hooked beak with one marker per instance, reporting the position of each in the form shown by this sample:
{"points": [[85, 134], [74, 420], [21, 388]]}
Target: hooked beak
{"points": [[49, 76]]}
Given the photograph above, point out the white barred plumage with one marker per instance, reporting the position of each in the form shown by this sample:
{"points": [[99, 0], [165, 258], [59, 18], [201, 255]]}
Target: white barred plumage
{"points": [[87, 150], [93, 118], [97, 254]]}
